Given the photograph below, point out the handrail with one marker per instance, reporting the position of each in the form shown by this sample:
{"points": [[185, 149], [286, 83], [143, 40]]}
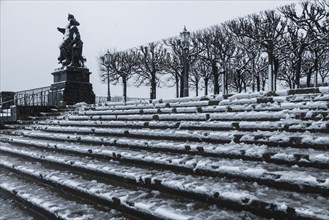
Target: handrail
{"points": [[44, 96], [41, 88]]}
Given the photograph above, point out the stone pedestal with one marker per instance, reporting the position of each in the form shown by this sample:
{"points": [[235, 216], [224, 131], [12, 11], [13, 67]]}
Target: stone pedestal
{"points": [[72, 85]]}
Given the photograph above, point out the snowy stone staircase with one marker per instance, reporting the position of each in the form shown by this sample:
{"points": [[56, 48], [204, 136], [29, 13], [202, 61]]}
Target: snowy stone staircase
{"points": [[246, 156]]}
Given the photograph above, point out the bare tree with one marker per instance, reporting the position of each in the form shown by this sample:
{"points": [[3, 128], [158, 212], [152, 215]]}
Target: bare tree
{"points": [[124, 66], [173, 65], [314, 20], [314, 16], [267, 30], [195, 76], [240, 77], [217, 50], [204, 70], [177, 58], [151, 64], [106, 73]]}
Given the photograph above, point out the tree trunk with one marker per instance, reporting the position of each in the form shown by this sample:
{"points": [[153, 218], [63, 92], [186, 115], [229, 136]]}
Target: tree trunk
{"points": [[177, 86], [258, 83], [206, 86], [153, 86], [253, 75], [215, 77], [322, 80], [308, 77], [226, 77], [316, 67], [197, 88], [263, 84], [124, 82], [298, 70], [270, 71], [238, 81], [181, 86], [276, 65]]}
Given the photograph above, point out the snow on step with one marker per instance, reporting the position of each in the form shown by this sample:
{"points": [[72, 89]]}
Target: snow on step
{"points": [[216, 116], [242, 98], [302, 157], [11, 210], [187, 138], [311, 179], [225, 106], [264, 137], [306, 105], [150, 203], [224, 190], [58, 206], [271, 116], [250, 150], [286, 125]]}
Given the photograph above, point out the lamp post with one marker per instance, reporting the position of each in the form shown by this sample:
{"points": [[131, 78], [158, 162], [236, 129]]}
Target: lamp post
{"points": [[185, 38], [107, 63]]}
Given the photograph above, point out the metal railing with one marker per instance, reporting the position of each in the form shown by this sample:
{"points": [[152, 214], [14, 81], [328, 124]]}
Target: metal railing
{"points": [[45, 96]]}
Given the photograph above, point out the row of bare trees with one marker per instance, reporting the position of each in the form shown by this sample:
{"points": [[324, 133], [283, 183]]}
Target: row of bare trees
{"points": [[248, 53]]}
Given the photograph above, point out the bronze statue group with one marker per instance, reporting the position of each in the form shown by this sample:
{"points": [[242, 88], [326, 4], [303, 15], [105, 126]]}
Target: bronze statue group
{"points": [[71, 47]]}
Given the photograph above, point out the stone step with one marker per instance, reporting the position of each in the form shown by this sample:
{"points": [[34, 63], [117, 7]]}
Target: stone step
{"points": [[135, 201], [224, 116], [247, 152], [205, 106], [269, 138], [191, 158], [212, 109], [305, 180], [217, 191], [237, 99], [45, 201], [292, 125], [10, 209]]}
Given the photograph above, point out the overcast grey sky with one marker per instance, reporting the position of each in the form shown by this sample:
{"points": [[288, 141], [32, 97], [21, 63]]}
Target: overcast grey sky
{"points": [[30, 40]]}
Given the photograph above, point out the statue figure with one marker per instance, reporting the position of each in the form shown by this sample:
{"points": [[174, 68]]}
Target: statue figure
{"points": [[71, 47]]}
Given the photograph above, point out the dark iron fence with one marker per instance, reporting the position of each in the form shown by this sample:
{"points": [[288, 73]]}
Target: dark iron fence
{"points": [[45, 96]]}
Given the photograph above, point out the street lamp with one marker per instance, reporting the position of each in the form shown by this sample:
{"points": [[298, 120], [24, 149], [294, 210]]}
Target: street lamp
{"points": [[107, 63], [185, 38]]}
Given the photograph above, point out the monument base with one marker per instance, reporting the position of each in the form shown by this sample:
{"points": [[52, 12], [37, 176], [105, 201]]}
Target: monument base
{"points": [[74, 86]]}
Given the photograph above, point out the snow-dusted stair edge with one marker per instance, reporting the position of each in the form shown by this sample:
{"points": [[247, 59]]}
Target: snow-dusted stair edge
{"points": [[286, 92], [130, 151], [280, 179], [143, 206], [236, 200]]}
